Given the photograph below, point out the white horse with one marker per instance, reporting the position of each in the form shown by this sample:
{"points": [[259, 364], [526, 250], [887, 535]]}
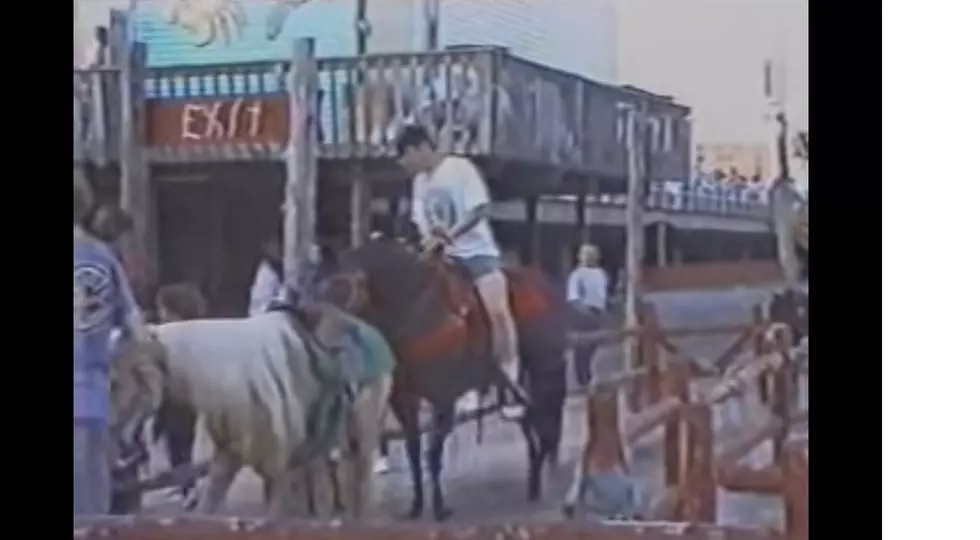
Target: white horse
{"points": [[252, 384]]}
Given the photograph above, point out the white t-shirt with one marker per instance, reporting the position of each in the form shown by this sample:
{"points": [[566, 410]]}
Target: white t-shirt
{"points": [[265, 288], [442, 197]]}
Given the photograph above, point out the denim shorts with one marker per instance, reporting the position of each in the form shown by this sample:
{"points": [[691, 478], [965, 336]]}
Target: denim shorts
{"points": [[478, 266]]}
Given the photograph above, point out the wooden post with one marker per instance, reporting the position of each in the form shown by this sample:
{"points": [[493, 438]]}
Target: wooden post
{"points": [[698, 490], [301, 173], [676, 383], [532, 242], [360, 207], [796, 476], [136, 193], [581, 227], [759, 348], [634, 234], [360, 192], [782, 395], [662, 255]]}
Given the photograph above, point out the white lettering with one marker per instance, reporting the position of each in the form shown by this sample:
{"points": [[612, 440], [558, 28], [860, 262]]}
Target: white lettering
{"points": [[254, 112], [187, 115], [221, 120]]}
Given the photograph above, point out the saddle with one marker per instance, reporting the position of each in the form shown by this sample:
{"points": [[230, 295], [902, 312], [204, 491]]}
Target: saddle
{"points": [[526, 297]]}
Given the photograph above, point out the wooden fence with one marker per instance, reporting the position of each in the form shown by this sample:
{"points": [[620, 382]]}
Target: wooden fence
{"points": [[668, 391]]}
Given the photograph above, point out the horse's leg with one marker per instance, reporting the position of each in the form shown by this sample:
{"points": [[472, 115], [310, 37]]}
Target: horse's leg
{"points": [[534, 453], [405, 407], [544, 421], [443, 416], [224, 467], [369, 408], [278, 489]]}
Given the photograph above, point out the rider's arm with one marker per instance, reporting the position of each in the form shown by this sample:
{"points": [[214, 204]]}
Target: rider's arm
{"points": [[417, 211], [476, 198]]}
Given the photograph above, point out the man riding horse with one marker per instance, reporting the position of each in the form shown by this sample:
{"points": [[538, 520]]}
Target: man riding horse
{"points": [[450, 208]]}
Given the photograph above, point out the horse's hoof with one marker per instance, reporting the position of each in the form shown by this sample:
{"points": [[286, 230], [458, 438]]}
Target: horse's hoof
{"points": [[568, 511], [442, 514], [415, 512]]}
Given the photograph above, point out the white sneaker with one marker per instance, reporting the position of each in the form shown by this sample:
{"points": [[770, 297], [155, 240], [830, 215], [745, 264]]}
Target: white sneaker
{"points": [[513, 412], [468, 402], [381, 465]]}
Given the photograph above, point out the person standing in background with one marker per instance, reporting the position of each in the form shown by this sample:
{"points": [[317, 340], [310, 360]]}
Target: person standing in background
{"points": [[97, 53], [267, 285], [103, 301], [114, 226], [587, 292]]}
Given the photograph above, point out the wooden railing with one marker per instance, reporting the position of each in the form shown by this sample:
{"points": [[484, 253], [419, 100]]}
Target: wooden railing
{"points": [[706, 276], [478, 101], [672, 392]]}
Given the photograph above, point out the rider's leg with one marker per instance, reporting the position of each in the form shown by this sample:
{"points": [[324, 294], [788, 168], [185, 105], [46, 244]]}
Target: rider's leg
{"points": [[492, 287]]}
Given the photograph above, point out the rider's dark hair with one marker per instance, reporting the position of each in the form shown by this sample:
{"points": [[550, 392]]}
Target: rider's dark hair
{"points": [[412, 137]]}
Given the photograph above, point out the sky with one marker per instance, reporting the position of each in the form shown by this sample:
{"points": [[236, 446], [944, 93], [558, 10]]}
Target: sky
{"points": [[709, 55]]}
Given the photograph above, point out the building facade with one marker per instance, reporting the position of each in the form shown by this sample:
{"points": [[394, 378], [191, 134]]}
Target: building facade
{"points": [[572, 35]]}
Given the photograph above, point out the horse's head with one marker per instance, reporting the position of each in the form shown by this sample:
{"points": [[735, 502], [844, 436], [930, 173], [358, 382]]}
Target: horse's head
{"points": [[376, 278], [136, 386]]}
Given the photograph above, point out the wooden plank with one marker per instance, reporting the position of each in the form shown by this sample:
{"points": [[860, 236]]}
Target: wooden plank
{"points": [[136, 192], [360, 207], [634, 236], [215, 528], [300, 199]]}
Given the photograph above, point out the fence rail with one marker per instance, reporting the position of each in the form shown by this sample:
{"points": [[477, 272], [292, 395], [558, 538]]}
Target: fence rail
{"points": [[663, 392], [259, 529]]}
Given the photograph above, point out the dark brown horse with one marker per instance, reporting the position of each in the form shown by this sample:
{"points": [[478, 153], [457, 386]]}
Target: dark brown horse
{"points": [[439, 332]]}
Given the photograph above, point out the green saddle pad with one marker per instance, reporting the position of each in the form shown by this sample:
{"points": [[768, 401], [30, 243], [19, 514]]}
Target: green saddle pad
{"points": [[376, 357], [362, 357]]}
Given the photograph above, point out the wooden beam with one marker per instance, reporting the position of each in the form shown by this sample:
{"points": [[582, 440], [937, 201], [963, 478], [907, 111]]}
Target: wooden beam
{"points": [[360, 207], [136, 193], [634, 235], [301, 173], [531, 252]]}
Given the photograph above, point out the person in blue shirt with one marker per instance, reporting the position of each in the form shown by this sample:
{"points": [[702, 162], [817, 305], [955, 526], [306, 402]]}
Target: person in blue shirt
{"points": [[103, 301]]}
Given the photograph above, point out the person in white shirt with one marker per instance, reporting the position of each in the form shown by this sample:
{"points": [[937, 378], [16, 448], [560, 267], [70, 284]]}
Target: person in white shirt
{"points": [[96, 55], [587, 291], [267, 285], [450, 207], [588, 284]]}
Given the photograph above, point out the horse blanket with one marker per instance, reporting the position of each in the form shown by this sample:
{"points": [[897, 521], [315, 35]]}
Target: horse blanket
{"points": [[359, 357], [259, 369]]}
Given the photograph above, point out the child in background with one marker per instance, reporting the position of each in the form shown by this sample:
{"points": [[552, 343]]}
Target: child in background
{"points": [[603, 471], [176, 423]]}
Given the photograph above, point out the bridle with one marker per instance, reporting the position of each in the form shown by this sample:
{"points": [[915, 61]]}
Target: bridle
{"points": [[358, 300]]}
